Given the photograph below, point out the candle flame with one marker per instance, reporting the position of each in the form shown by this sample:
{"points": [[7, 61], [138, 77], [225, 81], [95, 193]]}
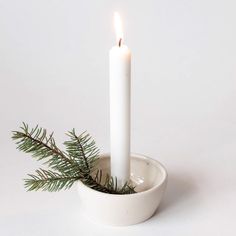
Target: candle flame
{"points": [[118, 28]]}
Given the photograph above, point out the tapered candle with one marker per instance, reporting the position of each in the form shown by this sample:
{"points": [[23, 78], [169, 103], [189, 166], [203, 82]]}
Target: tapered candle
{"points": [[120, 76]]}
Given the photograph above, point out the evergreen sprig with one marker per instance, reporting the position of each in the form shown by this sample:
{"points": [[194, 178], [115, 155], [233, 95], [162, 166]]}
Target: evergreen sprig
{"points": [[78, 162]]}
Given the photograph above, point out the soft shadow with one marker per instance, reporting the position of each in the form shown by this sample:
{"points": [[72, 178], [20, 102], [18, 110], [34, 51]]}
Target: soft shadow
{"points": [[180, 187]]}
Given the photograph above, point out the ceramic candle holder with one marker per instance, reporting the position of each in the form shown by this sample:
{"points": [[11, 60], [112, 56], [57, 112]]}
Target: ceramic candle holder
{"points": [[150, 179]]}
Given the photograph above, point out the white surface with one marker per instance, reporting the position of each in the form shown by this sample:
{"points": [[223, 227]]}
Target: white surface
{"points": [[54, 55]]}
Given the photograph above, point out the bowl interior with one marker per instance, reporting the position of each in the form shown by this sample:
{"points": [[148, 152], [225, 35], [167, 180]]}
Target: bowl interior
{"points": [[146, 173]]}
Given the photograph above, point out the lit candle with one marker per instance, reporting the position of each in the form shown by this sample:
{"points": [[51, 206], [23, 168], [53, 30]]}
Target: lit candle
{"points": [[120, 71]]}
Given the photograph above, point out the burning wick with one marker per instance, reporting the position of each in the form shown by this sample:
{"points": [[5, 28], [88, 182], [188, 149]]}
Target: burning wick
{"points": [[119, 42]]}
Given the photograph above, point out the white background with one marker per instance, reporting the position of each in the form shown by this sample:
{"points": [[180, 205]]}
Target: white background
{"points": [[54, 72]]}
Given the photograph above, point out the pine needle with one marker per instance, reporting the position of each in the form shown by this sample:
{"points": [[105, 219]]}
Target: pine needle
{"points": [[78, 162]]}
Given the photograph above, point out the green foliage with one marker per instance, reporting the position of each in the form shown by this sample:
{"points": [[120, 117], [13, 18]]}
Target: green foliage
{"points": [[48, 180], [78, 162]]}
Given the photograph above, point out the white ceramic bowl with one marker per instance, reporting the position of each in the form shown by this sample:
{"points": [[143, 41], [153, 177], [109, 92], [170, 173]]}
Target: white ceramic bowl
{"points": [[148, 175]]}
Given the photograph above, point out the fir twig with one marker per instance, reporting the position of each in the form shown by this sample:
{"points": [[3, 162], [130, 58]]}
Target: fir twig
{"points": [[49, 181], [77, 163]]}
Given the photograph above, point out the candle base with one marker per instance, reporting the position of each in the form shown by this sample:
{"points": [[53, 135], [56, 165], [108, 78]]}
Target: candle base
{"points": [[150, 179]]}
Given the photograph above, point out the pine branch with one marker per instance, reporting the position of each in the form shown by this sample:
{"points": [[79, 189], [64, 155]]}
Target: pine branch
{"points": [[42, 147], [49, 181], [77, 163], [109, 184], [82, 149]]}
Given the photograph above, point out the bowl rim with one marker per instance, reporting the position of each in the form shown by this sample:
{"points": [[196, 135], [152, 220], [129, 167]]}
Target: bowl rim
{"points": [[133, 156]]}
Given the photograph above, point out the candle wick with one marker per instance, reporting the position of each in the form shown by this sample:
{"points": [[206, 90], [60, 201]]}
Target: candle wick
{"points": [[120, 42]]}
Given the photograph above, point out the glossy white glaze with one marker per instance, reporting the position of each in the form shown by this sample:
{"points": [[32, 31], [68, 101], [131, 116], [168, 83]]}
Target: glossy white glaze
{"points": [[149, 176]]}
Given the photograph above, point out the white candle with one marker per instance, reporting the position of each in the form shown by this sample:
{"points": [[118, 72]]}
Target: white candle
{"points": [[120, 71]]}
